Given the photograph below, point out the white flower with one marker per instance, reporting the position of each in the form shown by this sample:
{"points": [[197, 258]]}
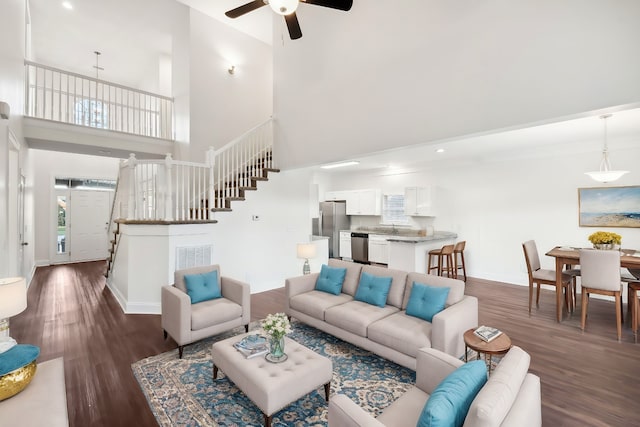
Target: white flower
{"points": [[276, 325]]}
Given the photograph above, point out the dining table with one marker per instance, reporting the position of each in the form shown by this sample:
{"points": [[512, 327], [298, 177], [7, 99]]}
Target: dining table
{"points": [[568, 255]]}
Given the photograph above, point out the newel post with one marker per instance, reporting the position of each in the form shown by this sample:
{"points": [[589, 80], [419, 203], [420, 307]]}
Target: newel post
{"points": [[211, 162], [131, 206], [168, 195]]}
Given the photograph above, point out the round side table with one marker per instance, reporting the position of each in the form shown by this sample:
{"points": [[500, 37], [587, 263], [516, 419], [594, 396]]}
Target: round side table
{"points": [[498, 346]]}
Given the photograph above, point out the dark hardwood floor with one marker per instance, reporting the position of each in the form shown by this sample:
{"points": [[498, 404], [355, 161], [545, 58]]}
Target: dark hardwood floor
{"points": [[588, 379]]}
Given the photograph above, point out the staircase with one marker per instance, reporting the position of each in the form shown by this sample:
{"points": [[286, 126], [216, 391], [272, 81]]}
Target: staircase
{"points": [[177, 192]]}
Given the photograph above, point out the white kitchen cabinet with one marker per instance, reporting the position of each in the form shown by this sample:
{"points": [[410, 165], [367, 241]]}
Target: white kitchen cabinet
{"points": [[345, 244], [335, 195], [364, 202], [418, 201], [378, 249]]}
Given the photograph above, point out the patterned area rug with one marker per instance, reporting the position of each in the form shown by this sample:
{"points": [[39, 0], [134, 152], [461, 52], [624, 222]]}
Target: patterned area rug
{"points": [[183, 393]]}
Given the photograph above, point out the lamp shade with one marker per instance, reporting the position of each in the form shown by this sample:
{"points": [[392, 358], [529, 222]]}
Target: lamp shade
{"points": [[306, 250], [13, 296]]}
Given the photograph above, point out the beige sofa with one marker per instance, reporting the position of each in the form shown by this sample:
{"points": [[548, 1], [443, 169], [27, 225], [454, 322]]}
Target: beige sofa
{"points": [[42, 403], [510, 398], [388, 331]]}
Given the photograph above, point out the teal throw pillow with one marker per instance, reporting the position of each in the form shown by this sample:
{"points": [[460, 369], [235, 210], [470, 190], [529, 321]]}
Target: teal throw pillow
{"points": [[202, 287], [331, 279], [426, 301], [373, 289], [17, 356], [450, 401]]}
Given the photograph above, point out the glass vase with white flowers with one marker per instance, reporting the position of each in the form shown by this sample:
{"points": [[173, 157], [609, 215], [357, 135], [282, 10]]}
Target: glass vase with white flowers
{"points": [[276, 326]]}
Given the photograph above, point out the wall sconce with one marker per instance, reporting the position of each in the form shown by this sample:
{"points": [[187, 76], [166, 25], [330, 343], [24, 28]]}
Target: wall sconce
{"points": [[306, 251], [232, 69]]}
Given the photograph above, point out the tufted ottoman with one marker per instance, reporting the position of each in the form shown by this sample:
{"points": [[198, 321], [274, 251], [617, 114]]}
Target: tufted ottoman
{"points": [[272, 386]]}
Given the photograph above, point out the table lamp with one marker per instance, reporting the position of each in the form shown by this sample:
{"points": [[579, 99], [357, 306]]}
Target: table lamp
{"points": [[306, 251], [13, 300]]}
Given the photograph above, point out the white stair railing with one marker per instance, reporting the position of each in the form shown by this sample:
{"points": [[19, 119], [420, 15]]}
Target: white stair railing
{"points": [[66, 97], [240, 160], [174, 190]]}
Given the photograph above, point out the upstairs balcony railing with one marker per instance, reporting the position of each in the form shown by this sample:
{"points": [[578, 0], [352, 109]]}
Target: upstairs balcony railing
{"points": [[62, 96]]}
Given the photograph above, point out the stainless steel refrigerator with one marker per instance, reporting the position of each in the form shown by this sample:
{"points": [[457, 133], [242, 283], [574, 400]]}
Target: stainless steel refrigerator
{"points": [[333, 218]]}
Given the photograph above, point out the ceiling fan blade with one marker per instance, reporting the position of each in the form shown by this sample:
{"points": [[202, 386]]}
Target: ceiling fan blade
{"points": [[333, 4], [245, 8], [293, 25]]}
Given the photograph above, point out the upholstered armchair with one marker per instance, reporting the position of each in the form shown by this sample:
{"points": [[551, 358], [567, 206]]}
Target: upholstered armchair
{"points": [[511, 396], [188, 322]]}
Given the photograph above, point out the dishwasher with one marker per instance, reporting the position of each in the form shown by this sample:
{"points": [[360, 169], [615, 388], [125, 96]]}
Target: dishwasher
{"points": [[360, 247]]}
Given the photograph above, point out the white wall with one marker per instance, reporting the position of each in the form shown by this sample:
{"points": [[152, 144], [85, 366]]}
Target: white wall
{"points": [[12, 34], [46, 166], [263, 252], [496, 206], [387, 75], [224, 106]]}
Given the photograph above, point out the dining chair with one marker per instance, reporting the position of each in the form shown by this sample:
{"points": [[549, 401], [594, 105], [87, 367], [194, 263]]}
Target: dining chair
{"points": [[600, 272], [540, 276], [633, 293]]}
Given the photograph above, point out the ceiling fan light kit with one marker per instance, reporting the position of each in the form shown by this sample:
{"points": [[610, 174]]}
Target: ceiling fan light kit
{"points": [[287, 9], [605, 174], [284, 7]]}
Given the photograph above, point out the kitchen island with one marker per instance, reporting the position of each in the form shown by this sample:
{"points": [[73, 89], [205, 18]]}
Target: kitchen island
{"points": [[409, 253]]}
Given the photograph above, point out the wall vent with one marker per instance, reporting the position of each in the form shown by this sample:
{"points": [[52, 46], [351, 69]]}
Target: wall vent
{"points": [[193, 256]]}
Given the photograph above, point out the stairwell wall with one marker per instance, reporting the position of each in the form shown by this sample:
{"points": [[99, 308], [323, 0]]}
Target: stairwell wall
{"points": [[223, 105]]}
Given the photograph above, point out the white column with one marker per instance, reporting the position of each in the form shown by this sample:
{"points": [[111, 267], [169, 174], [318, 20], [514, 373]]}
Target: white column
{"points": [[131, 208], [168, 189], [211, 162]]}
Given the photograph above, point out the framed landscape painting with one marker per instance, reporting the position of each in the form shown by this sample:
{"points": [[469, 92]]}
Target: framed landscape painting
{"points": [[609, 206]]}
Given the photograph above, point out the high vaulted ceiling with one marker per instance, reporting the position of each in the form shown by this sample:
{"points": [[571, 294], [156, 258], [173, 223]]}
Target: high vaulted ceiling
{"points": [[131, 35]]}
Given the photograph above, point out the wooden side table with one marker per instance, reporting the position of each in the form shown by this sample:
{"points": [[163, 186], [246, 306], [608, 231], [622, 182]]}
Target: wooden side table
{"points": [[498, 346]]}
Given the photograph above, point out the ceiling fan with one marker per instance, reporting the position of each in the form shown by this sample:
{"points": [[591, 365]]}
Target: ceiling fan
{"points": [[287, 8]]}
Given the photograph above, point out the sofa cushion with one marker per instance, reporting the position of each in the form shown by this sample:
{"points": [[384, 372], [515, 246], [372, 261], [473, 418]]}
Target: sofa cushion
{"points": [[405, 410], [450, 401], [398, 282], [178, 275], [456, 287], [356, 316], [494, 401], [203, 286], [426, 301], [330, 279], [352, 277], [213, 312], [373, 289], [402, 333], [315, 303]]}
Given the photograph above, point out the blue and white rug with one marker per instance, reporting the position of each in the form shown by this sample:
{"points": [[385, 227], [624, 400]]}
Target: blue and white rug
{"points": [[181, 392]]}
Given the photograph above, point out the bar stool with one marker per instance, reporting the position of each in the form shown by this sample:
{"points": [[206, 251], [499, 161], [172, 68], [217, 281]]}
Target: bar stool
{"points": [[458, 252], [444, 255]]}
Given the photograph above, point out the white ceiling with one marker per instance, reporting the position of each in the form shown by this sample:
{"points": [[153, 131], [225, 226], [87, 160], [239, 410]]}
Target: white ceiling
{"points": [[258, 23], [131, 35], [565, 137]]}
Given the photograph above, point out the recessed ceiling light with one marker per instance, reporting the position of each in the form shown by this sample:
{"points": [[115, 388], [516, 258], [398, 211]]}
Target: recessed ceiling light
{"points": [[440, 150], [67, 5], [339, 165]]}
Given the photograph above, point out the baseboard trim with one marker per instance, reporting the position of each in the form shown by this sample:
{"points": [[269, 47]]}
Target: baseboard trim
{"points": [[133, 307]]}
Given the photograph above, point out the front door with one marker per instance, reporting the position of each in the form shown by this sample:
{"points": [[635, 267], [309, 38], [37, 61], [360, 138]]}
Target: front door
{"points": [[88, 220]]}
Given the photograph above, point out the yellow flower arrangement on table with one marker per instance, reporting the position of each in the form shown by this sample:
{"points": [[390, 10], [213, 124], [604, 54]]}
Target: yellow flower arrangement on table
{"points": [[605, 238]]}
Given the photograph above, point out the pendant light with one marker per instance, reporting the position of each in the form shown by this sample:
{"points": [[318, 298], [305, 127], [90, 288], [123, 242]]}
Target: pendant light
{"points": [[605, 174]]}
